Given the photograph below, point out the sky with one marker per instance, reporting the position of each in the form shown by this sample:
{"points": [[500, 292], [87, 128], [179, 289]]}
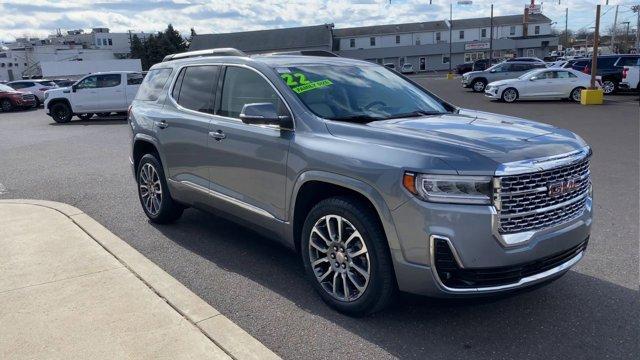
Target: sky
{"points": [[39, 18]]}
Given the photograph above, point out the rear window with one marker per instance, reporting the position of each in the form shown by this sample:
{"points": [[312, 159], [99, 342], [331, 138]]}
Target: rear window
{"points": [[628, 61], [153, 84]]}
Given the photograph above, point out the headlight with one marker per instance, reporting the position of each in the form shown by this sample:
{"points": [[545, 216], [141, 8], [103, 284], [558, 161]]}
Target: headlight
{"points": [[453, 189]]}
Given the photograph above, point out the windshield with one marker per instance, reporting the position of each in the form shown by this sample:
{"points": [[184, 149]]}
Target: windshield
{"points": [[357, 93], [6, 88]]}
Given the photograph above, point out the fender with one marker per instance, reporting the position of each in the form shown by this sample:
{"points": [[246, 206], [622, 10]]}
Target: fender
{"points": [[153, 141], [356, 185]]}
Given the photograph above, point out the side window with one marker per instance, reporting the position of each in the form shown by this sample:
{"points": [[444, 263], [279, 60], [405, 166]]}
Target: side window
{"points": [[564, 74], [153, 84], [243, 86], [606, 63], [628, 61], [109, 80], [134, 79], [196, 88], [90, 82]]}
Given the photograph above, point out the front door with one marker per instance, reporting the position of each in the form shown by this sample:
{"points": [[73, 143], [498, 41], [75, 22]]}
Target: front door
{"points": [[86, 94], [423, 64], [248, 161]]}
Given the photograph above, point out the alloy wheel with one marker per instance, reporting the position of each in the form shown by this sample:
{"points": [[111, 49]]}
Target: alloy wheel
{"points": [[576, 95], [510, 95], [150, 189], [608, 87], [6, 105], [478, 86], [339, 258]]}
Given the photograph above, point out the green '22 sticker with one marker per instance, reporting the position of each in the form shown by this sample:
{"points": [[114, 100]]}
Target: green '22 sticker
{"points": [[295, 79]]}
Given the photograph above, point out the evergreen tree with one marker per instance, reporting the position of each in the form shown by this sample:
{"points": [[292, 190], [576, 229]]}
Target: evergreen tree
{"points": [[155, 47]]}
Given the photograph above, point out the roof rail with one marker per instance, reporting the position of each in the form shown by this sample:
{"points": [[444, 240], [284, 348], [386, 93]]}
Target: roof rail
{"points": [[207, 52], [323, 53]]}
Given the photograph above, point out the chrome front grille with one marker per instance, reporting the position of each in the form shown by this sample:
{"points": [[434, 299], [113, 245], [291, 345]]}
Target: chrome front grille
{"points": [[524, 202], [28, 97]]}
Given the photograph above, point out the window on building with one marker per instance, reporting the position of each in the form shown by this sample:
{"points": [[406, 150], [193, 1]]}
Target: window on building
{"points": [[531, 52], [110, 42], [372, 41], [2, 65], [418, 41], [484, 33], [152, 85], [512, 30], [10, 64], [445, 58], [194, 89], [536, 30], [469, 57], [352, 42], [242, 86], [461, 34], [438, 36], [397, 39], [25, 64]]}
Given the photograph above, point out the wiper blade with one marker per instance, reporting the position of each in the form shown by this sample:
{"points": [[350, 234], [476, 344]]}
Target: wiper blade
{"points": [[417, 113], [357, 118]]}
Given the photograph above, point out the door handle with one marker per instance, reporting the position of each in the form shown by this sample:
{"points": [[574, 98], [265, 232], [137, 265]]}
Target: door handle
{"points": [[162, 124], [218, 135]]}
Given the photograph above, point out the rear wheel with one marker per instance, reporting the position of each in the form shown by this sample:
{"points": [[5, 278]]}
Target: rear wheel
{"points": [[85, 116], [61, 112], [6, 105], [478, 85], [153, 192], [608, 87], [346, 256], [576, 94], [510, 95]]}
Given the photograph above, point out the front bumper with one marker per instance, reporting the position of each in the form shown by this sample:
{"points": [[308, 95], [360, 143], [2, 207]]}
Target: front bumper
{"points": [[492, 93], [465, 83], [470, 232]]}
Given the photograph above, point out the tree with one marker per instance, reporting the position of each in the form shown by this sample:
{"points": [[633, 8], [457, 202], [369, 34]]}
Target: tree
{"points": [[191, 36], [138, 51], [155, 47]]}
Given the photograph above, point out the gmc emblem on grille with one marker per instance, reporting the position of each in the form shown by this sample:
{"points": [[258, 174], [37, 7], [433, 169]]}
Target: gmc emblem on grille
{"points": [[563, 187]]}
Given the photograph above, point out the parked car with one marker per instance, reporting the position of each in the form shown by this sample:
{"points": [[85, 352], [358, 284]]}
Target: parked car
{"points": [[526, 59], [477, 80], [377, 184], [407, 68], [99, 93], [464, 68], [36, 87], [631, 77], [610, 69], [63, 82], [540, 84], [11, 99], [390, 66], [483, 64]]}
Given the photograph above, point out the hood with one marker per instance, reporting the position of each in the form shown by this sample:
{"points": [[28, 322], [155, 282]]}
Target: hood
{"points": [[471, 73], [471, 142], [504, 82]]}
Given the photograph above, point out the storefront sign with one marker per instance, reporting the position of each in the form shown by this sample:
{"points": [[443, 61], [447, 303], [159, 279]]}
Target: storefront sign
{"points": [[476, 46]]}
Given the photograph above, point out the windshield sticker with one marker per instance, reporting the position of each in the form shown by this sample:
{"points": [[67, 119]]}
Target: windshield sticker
{"points": [[299, 83]]}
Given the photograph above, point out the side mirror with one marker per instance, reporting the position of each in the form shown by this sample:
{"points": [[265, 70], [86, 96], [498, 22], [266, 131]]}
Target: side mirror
{"points": [[74, 88], [261, 114], [492, 70]]}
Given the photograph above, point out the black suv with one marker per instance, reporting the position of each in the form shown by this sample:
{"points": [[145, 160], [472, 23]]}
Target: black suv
{"points": [[609, 68]]}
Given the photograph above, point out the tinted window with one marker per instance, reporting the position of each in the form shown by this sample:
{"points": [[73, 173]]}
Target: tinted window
{"points": [[134, 79], [606, 63], [153, 84], [109, 80], [628, 61], [564, 75], [520, 67], [243, 86], [196, 88]]}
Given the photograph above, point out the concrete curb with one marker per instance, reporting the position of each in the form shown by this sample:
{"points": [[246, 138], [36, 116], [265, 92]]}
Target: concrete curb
{"points": [[236, 342]]}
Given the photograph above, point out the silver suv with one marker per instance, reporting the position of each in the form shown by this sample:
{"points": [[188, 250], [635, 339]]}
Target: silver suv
{"points": [[376, 183], [478, 80]]}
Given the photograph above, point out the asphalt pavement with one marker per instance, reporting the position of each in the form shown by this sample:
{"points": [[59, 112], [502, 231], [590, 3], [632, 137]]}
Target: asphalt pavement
{"points": [[591, 313]]}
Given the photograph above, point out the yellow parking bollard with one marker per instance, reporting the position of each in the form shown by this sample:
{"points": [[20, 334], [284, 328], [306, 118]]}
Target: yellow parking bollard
{"points": [[449, 76], [591, 97]]}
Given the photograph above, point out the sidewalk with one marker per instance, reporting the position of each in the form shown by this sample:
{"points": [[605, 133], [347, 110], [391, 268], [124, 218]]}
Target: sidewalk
{"points": [[70, 289]]}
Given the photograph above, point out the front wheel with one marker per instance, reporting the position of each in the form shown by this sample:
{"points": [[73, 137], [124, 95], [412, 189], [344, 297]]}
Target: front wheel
{"points": [[153, 192], [6, 105], [346, 256], [576, 94], [61, 112], [478, 85], [510, 95], [85, 116]]}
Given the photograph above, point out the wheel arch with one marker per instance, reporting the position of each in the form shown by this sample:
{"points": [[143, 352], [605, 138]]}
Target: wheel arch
{"points": [[143, 145], [59, 100]]}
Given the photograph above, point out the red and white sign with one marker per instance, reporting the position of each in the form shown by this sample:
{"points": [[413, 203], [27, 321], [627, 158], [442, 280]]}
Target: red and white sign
{"points": [[535, 9], [477, 46]]}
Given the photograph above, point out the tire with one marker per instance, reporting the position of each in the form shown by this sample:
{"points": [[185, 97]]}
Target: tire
{"points": [[103, 114], [609, 87], [509, 95], [61, 112], [158, 205], [362, 296], [6, 105], [85, 116], [576, 94], [478, 85], [38, 103]]}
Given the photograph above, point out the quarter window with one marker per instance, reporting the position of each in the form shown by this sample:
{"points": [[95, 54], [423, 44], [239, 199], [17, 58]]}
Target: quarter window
{"points": [[153, 84], [194, 89], [243, 86]]}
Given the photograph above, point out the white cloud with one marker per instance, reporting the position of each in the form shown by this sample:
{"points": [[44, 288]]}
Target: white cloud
{"points": [[43, 17]]}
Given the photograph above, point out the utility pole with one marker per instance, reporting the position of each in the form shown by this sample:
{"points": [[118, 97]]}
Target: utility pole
{"points": [[613, 36], [491, 39], [566, 29], [594, 58], [636, 8], [450, 32], [626, 37]]}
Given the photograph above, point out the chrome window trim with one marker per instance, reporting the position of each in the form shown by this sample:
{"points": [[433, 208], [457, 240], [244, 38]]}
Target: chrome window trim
{"points": [[216, 116], [526, 281], [542, 164]]}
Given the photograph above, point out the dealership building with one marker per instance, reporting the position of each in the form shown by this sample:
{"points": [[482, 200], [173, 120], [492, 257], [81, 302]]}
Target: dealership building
{"points": [[423, 44]]}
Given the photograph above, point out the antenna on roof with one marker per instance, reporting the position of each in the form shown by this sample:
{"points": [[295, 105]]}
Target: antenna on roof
{"points": [[207, 52]]}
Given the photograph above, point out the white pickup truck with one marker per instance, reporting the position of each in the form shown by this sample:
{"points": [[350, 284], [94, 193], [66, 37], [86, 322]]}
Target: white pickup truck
{"points": [[631, 77], [98, 93]]}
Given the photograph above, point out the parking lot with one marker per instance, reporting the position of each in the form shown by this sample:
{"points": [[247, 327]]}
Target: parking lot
{"points": [[592, 312]]}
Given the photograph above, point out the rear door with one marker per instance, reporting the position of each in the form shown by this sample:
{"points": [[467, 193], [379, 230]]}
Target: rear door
{"points": [[110, 94]]}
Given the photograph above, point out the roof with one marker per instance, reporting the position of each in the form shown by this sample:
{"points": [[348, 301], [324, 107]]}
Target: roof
{"points": [[269, 60], [438, 25], [267, 40]]}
